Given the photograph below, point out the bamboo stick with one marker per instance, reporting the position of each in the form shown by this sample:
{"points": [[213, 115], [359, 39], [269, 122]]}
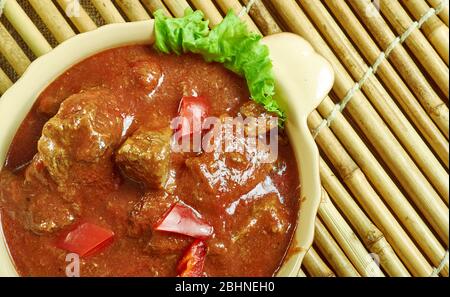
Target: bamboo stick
{"points": [[442, 268], [373, 126], [407, 68], [78, 16], [108, 11], [443, 14], [379, 97], [347, 239], [262, 18], [354, 178], [372, 237], [12, 52], [53, 19], [154, 5], [177, 7], [133, 10], [403, 95], [378, 178], [5, 82], [434, 29], [226, 5], [210, 11], [315, 266], [301, 273], [26, 28], [418, 44], [332, 252]]}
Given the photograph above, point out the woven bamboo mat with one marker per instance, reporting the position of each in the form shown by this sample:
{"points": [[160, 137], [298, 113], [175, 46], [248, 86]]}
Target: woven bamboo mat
{"points": [[382, 132]]}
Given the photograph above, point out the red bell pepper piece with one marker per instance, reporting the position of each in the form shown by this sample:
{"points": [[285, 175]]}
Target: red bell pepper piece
{"points": [[193, 261], [193, 110], [86, 239], [183, 219]]}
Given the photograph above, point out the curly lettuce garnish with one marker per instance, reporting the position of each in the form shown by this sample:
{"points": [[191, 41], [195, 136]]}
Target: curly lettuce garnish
{"points": [[229, 43]]}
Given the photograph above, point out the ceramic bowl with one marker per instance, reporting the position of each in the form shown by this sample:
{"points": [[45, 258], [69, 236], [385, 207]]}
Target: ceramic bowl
{"points": [[303, 80]]}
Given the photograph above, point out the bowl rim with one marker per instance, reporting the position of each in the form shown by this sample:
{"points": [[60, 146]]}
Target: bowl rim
{"points": [[18, 100]]}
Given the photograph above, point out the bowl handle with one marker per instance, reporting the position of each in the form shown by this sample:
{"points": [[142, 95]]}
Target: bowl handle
{"points": [[303, 77]]}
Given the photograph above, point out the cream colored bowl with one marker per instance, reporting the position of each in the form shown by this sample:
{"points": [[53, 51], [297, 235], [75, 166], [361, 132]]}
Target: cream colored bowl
{"points": [[303, 80]]}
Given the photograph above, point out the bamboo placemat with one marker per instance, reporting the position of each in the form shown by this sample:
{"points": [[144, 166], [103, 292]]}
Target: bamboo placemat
{"points": [[382, 132]]}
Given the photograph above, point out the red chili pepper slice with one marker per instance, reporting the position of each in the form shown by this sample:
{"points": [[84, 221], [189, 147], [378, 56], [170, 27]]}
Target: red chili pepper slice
{"points": [[193, 261], [86, 239], [183, 219], [193, 110]]}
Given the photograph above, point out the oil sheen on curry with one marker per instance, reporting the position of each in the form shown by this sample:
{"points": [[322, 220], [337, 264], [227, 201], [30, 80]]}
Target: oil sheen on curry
{"points": [[91, 172]]}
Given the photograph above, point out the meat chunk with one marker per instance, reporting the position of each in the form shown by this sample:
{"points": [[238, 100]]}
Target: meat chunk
{"points": [[47, 213], [253, 109], [37, 174], [147, 73], [267, 216], [77, 143], [222, 173], [234, 165], [148, 211], [259, 120], [145, 157], [44, 212]]}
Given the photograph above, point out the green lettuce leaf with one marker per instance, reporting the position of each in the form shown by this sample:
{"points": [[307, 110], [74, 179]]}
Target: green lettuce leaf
{"points": [[229, 43]]}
